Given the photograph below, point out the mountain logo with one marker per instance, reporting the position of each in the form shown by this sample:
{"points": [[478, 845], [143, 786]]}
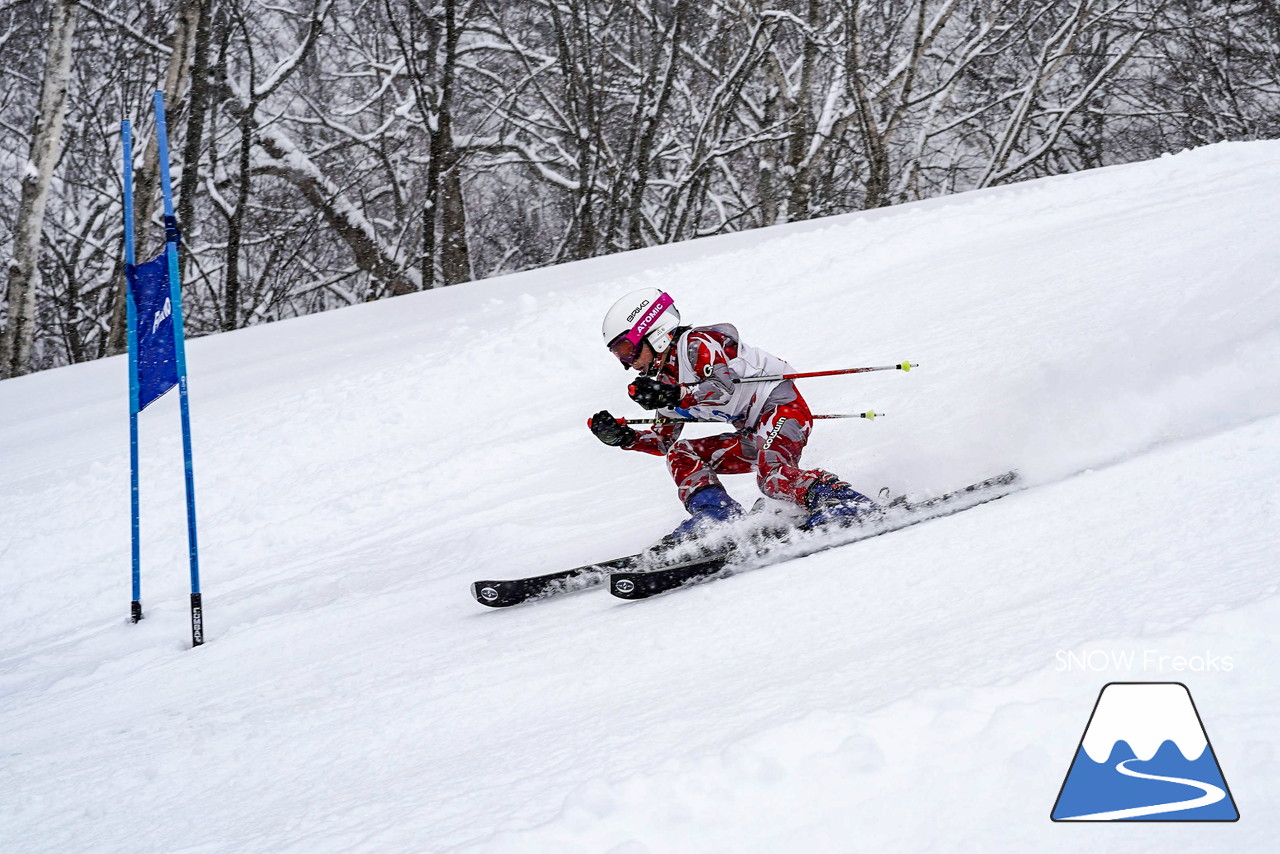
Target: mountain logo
{"points": [[1145, 756]]}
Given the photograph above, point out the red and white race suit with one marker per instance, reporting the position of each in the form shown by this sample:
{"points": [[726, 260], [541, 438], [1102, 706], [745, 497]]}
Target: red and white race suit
{"points": [[771, 420]]}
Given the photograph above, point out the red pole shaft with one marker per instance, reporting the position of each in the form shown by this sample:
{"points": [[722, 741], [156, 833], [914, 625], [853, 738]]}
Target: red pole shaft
{"points": [[902, 366], [867, 415]]}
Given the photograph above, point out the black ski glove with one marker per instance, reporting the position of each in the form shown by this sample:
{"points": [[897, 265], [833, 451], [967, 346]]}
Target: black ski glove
{"points": [[653, 393], [610, 430]]}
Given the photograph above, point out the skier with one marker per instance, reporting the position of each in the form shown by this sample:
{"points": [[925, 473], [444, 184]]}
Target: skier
{"points": [[690, 372]]}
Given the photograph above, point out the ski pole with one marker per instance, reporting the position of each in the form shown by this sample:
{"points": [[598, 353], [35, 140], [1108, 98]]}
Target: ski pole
{"points": [[901, 366], [869, 415]]}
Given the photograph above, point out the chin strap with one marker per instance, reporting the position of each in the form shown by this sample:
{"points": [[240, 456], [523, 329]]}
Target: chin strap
{"points": [[659, 362]]}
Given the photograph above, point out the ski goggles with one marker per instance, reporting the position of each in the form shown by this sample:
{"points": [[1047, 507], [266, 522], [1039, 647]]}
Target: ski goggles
{"points": [[627, 350]]}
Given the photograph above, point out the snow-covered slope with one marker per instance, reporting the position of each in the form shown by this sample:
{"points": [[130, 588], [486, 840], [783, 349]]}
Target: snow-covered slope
{"points": [[1115, 335]]}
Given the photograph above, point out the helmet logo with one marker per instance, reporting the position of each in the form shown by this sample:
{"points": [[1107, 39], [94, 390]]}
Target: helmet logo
{"points": [[632, 316]]}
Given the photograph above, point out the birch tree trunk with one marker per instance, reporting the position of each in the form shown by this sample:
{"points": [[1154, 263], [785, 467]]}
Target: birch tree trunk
{"points": [[46, 149]]}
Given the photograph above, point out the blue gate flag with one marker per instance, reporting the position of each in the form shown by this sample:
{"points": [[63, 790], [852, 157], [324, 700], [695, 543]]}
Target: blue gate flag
{"points": [[157, 361]]}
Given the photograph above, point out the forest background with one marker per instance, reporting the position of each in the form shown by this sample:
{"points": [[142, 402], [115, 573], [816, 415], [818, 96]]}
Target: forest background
{"points": [[330, 152]]}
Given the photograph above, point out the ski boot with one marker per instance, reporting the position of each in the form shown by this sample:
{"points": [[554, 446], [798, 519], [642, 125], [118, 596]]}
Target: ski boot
{"points": [[709, 507], [830, 499]]}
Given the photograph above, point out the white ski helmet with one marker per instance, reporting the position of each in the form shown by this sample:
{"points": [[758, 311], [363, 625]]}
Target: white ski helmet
{"points": [[649, 315]]}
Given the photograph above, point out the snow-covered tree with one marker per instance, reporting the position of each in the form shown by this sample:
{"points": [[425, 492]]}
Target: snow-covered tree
{"points": [[328, 152], [37, 181]]}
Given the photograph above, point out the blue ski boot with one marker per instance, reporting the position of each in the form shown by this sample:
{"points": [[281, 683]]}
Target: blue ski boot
{"points": [[708, 507], [830, 499]]}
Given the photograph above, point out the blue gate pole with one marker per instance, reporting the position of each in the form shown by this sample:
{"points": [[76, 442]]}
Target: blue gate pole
{"points": [[171, 238], [135, 609]]}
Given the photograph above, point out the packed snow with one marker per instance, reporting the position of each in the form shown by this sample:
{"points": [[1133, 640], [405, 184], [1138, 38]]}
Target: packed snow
{"points": [[1114, 335]]}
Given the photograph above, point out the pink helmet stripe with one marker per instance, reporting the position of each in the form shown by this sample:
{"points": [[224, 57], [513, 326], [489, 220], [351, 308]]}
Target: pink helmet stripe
{"points": [[650, 317]]}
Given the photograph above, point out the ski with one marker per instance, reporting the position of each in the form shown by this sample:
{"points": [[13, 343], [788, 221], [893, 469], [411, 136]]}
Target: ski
{"points": [[513, 591], [776, 547], [663, 554]]}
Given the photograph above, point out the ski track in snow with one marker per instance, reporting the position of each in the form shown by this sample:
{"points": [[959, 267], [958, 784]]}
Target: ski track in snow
{"points": [[1114, 334]]}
